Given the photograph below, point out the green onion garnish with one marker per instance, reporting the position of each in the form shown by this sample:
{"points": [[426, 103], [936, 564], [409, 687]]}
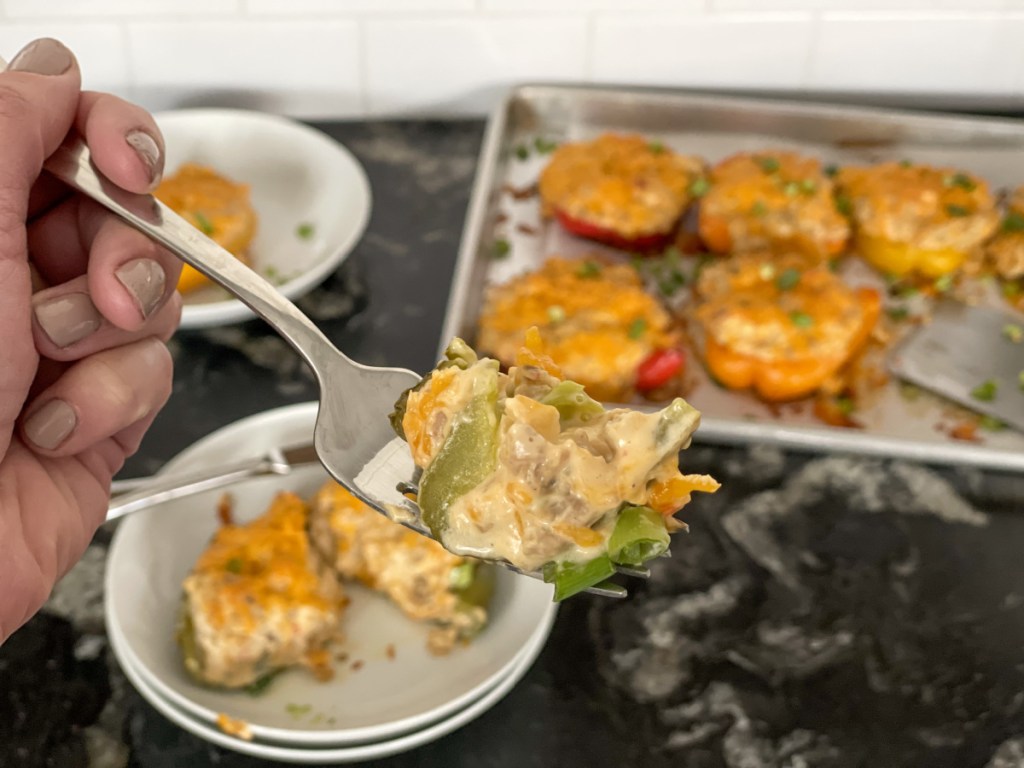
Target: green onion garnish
{"points": [[957, 211], [845, 405], [589, 270], [502, 248], [768, 164], [700, 187], [656, 147], [204, 223], [637, 328], [544, 146], [990, 423], [801, 319], [791, 188], [304, 231], [831, 170], [788, 279], [556, 314], [808, 186], [944, 284], [572, 578], [759, 209], [844, 205], [1013, 332], [1013, 222], [961, 180], [639, 535], [522, 152], [986, 391]]}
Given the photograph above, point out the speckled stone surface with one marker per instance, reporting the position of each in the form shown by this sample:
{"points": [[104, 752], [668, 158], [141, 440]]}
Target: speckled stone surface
{"points": [[823, 611]]}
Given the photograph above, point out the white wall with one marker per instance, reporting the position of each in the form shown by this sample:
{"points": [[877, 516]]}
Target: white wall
{"points": [[351, 58]]}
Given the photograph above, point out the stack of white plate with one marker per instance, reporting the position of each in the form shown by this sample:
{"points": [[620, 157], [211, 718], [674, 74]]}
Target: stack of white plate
{"points": [[389, 694]]}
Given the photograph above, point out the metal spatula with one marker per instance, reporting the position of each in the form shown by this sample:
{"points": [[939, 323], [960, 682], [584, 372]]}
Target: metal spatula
{"points": [[971, 355]]}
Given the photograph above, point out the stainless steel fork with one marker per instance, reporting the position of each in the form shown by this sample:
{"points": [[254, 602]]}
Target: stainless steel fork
{"points": [[352, 437]]}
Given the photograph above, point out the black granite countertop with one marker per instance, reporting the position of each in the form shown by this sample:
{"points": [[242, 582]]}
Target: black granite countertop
{"points": [[823, 611]]}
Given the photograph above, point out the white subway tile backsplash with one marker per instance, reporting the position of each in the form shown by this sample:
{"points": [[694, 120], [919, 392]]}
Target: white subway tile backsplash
{"points": [[742, 51], [340, 7], [856, 5], [86, 8], [99, 48], [562, 6], [460, 65], [307, 68], [951, 53]]}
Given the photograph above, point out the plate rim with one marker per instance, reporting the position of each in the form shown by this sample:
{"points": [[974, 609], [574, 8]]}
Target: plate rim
{"points": [[284, 415], [232, 310]]}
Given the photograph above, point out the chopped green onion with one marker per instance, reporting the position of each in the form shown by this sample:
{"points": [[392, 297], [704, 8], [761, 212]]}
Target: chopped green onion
{"points": [[234, 565], [833, 265], [1011, 289], [573, 403], [640, 534], [991, 423], [260, 684], [1013, 222], [957, 211], [1020, 379], [986, 391], [831, 170], [766, 271], [589, 270], [897, 313], [845, 405], [1013, 332], [556, 314], [544, 146], [906, 164], [768, 164], [788, 279], [656, 147], [801, 319], [844, 205], [961, 180], [305, 230], [502, 248], [700, 187], [637, 328], [297, 710], [204, 223], [572, 578], [791, 188], [808, 186], [522, 152], [944, 284]]}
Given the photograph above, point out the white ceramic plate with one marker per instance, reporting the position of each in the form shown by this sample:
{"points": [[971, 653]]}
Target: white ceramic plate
{"points": [[298, 177], [154, 550], [350, 754]]}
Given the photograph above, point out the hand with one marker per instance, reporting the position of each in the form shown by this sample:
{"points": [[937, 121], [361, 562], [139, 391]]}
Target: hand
{"points": [[86, 304]]}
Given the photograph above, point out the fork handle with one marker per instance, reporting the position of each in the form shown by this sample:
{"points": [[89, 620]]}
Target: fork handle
{"points": [[72, 164]]}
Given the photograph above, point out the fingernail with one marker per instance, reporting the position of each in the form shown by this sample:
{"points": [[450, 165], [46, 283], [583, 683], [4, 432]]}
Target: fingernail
{"points": [[145, 281], [45, 56], [148, 150], [50, 425], [68, 318]]}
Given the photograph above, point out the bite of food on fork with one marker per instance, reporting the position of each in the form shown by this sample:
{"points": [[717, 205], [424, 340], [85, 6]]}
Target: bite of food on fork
{"points": [[525, 468]]}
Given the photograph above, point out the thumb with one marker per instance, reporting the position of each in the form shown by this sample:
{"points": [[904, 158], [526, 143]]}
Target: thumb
{"points": [[38, 100]]}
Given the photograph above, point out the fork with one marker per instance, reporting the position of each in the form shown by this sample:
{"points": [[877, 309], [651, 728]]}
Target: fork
{"points": [[352, 436]]}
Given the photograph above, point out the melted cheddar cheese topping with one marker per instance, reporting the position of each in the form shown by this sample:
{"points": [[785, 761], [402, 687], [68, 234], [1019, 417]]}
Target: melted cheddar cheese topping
{"points": [[598, 322], [621, 183]]}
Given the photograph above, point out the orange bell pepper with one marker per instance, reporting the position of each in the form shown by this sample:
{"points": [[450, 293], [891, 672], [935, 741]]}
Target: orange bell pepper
{"points": [[781, 380]]}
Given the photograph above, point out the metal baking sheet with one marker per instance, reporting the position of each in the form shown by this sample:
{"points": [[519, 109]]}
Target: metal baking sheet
{"points": [[893, 425]]}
